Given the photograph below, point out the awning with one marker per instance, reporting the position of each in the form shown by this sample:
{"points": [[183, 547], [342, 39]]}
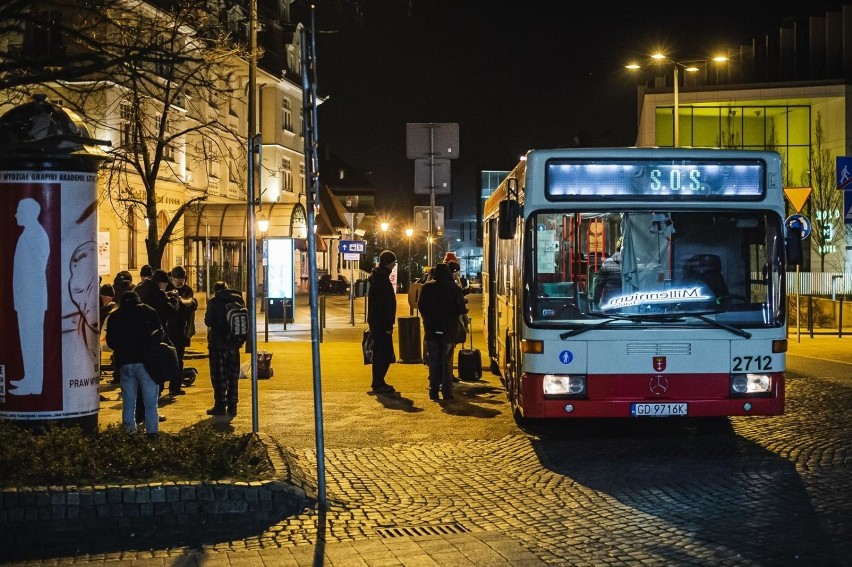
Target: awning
{"points": [[228, 220]]}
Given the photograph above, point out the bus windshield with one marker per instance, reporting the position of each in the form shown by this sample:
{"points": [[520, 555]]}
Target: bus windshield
{"points": [[654, 265]]}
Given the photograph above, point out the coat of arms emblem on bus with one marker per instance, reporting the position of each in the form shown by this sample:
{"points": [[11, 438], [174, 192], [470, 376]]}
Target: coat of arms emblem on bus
{"points": [[659, 363]]}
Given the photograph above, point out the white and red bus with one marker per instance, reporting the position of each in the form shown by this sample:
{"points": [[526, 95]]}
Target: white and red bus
{"points": [[638, 282]]}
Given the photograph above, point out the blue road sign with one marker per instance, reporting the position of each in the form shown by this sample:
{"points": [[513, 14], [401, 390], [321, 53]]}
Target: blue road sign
{"points": [[799, 222], [847, 206], [352, 246], [844, 172]]}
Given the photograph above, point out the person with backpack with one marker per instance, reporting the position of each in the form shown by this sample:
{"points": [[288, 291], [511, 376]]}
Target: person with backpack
{"points": [[227, 329]]}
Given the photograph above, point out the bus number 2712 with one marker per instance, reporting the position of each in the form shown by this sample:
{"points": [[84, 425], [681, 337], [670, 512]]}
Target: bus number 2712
{"points": [[752, 363]]}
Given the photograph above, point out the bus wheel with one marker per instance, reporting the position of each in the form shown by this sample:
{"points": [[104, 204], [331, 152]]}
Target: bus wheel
{"points": [[520, 420]]}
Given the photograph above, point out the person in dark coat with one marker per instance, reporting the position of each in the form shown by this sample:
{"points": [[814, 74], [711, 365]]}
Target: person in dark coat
{"points": [[441, 306], [123, 282], [129, 328], [181, 327], [224, 356], [152, 292], [381, 316]]}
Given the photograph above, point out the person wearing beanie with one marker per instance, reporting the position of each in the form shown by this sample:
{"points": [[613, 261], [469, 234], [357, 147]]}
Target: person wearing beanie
{"points": [[128, 328], [123, 282], [452, 262], [381, 315], [152, 292], [181, 327]]}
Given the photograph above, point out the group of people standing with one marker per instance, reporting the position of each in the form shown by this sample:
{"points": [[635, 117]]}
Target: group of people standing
{"points": [[161, 307], [442, 306]]}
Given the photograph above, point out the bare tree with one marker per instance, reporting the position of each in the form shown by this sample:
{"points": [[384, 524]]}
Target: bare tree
{"points": [[826, 200], [169, 81]]}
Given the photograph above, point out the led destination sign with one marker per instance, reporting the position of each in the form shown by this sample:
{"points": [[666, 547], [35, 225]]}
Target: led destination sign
{"points": [[680, 179]]}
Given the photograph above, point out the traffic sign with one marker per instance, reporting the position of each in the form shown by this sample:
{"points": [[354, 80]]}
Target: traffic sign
{"points": [[352, 246], [847, 206], [797, 196], [799, 222], [844, 172]]}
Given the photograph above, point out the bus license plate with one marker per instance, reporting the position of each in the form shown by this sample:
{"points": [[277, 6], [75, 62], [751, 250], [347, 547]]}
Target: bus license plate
{"points": [[657, 410]]}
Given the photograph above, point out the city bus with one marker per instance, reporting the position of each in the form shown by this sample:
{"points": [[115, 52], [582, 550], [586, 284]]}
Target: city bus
{"points": [[639, 282]]}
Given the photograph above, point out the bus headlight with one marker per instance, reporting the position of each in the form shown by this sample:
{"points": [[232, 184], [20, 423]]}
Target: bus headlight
{"points": [[746, 384], [564, 385]]}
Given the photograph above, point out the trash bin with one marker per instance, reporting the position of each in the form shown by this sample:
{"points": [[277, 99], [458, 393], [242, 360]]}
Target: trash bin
{"points": [[409, 340], [361, 288]]}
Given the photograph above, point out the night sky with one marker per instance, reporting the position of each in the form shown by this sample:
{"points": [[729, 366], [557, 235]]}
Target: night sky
{"points": [[513, 75]]}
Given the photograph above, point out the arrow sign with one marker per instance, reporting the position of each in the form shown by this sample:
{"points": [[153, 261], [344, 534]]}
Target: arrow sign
{"points": [[800, 223], [352, 246], [797, 196]]}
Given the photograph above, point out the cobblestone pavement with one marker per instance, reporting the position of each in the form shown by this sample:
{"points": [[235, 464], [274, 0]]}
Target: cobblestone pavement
{"points": [[413, 482]]}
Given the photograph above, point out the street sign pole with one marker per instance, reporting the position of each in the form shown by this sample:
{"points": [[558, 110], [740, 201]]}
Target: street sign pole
{"points": [[351, 218]]}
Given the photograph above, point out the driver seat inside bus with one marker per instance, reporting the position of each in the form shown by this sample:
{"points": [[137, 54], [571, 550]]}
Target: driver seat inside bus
{"points": [[707, 269]]}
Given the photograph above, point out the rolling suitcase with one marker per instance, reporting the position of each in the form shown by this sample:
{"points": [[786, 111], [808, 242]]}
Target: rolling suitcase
{"points": [[470, 362]]}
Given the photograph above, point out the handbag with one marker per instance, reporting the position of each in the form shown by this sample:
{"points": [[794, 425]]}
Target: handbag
{"points": [[161, 361], [367, 347]]}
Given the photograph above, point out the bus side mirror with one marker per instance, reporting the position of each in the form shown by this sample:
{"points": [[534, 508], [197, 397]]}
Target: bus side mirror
{"points": [[793, 246], [507, 218]]}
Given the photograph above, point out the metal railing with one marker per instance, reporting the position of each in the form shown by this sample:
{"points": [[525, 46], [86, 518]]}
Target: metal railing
{"points": [[828, 284]]}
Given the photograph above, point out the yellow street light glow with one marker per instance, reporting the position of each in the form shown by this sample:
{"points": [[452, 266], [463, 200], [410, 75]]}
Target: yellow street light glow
{"points": [[687, 66]]}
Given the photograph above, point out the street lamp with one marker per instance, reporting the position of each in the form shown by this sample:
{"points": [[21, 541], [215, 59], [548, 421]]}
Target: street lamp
{"points": [[385, 226], [677, 65]]}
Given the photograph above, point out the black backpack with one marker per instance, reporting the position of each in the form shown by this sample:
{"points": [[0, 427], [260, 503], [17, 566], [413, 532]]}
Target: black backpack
{"points": [[236, 323]]}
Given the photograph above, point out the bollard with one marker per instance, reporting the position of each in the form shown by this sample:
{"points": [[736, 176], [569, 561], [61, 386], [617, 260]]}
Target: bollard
{"points": [[50, 353]]}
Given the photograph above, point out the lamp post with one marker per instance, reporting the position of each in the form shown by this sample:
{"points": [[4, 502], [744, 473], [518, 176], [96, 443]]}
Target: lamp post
{"points": [[677, 65], [409, 232], [263, 226]]}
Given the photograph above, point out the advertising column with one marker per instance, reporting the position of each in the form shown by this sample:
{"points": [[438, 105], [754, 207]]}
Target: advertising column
{"points": [[49, 350]]}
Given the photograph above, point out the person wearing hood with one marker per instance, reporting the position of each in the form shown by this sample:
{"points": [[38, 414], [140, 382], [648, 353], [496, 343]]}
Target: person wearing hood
{"points": [[441, 304], [128, 329], [224, 356], [381, 315]]}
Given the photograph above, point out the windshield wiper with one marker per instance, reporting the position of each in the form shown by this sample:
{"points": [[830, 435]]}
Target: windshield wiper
{"points": [[730, 328], [609, 319], [656, 317]]}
